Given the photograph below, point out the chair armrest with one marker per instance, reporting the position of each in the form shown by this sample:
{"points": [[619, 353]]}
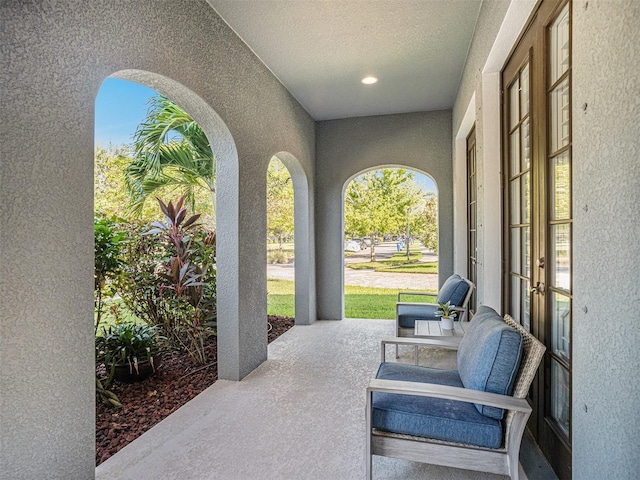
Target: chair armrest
{"points": [[417, 293], [451, 343], [448, 392]]}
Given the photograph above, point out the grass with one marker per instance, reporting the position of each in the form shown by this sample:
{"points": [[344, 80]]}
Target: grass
{"points": [[399, 264], [359, 302], [431, 267], [286, 247]]}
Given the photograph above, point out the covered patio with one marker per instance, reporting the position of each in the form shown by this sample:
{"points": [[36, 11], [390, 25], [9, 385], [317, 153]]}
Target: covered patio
{"points": [[299, 415], [295, 409]]}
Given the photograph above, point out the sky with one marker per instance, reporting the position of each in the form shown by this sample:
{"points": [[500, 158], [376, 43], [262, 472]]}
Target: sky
{"points": [[121, 106]]}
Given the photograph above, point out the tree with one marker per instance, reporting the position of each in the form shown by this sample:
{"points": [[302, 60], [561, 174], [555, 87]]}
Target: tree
{"points": [[110, 190], [377, 202], [279, 201], [171, 152], [424, 223]]}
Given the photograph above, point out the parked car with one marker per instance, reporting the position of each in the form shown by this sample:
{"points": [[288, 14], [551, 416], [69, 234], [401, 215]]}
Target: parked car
{"points": [[351, 246]]}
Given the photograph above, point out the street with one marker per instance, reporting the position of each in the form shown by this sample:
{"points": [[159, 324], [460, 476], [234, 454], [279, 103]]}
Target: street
{"points": [[369, 278]]}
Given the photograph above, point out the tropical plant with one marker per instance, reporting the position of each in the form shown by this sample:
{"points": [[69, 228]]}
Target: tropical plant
{"points": [[108, 242], [171, 150], [181, 275], [128, 344], [141, 284], [446, 310]]}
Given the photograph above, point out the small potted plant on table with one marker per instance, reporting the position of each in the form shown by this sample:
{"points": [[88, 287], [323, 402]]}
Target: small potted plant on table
{"points": [[131, 352], [447, 313]]}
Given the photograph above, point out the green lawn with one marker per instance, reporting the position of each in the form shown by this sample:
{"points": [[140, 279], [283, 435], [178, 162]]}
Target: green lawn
{"points": [[399, 264], [359, 302], [431, 267], [286, 247]]}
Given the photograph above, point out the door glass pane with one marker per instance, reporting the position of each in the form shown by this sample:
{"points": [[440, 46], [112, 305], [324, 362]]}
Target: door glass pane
{"points": [[526, 295], [515, 250], [561, 325], [526, 252], [515, 201], [561, 256], [559, 62], [561, 187], [560, 385], [526, 145], [560, 116], [514, 151], [524, 91], [526, 198], [515, 298], [514, 97]]}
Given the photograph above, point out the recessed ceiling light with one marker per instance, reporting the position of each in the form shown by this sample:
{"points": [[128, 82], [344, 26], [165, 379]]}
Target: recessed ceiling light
{"points": [[370, 80]]}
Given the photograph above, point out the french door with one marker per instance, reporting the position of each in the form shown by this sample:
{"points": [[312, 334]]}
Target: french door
{"points": [[536, 83]]}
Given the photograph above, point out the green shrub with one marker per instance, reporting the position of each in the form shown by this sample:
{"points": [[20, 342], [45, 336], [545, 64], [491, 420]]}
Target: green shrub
{"points": [[146, 292], [277, 256]]}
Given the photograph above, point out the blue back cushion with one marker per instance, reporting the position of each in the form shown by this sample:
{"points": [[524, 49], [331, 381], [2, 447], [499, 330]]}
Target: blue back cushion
{"points": [[489, 357], [454, 290]]}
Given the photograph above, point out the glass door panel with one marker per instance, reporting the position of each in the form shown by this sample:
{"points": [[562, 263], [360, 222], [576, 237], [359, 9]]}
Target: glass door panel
{"points": [[559, 222], [561, 326], [561, 187], [537, 237]]}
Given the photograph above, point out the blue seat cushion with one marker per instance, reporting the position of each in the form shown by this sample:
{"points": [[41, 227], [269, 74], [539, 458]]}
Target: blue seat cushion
{"points": [[489, 357], [454, 290], [409, 313], [437, 418]]}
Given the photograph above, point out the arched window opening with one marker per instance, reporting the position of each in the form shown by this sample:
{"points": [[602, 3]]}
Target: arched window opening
{"points": [[390, 239]]}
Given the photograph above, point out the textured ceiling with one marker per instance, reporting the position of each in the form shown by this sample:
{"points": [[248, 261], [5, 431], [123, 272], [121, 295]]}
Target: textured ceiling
{"points": [[321, 49]]}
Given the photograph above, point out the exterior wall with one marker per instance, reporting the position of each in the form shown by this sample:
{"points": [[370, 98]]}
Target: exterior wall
{"points": [[606, 182], [606, 185], [55, 56], [347, 147]]}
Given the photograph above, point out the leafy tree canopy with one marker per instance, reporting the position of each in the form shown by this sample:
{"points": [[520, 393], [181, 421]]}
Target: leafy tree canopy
{"points": [[279, 201], [381, 202]]}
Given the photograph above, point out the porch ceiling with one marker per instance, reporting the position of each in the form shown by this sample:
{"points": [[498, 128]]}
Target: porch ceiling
{"points": [[321, 49]]}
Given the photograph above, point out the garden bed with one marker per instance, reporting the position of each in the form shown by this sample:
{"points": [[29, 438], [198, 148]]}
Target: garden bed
{"points": [[146, 403]]}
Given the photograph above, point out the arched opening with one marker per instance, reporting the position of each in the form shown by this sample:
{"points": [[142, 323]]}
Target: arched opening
{"points": [[302, 271], [390, 227], [280, 241], [162, 152]]}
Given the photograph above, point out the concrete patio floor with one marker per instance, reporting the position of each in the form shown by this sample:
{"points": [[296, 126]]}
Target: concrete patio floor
{"points": [[300, 415]]}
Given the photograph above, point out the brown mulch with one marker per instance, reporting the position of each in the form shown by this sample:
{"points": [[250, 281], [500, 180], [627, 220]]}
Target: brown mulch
{"points": [[178, 380]]}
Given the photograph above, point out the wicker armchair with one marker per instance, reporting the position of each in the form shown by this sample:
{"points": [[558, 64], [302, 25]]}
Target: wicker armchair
{"points": [[501, 459]]}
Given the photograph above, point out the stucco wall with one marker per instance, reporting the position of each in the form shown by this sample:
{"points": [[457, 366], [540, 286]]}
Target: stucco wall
{"points": [[55, 56], [347, 147], [606, 185]]}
